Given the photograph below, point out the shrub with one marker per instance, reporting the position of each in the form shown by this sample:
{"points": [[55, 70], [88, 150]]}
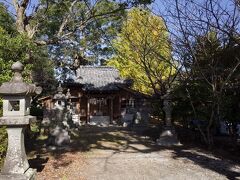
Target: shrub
{"points": [[3, 144]]}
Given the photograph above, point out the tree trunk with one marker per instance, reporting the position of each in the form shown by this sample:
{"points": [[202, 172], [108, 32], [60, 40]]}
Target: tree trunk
{"points": [[20, 19]]}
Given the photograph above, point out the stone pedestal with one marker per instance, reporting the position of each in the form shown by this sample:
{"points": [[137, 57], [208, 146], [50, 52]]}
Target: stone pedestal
{"points": [[28, 175], [16, 160], [168, 137], [16, 164]]}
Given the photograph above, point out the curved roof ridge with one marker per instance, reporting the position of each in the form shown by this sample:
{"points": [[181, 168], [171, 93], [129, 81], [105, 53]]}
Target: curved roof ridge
{"points": [[90, 66], [99, 77]]}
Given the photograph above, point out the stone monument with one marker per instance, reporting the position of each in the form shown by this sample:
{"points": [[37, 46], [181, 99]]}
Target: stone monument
{"points": [[168, 137], [16, 96]]}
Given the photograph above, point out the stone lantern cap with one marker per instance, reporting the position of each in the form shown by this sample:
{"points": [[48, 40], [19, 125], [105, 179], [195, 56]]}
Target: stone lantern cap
{"points": [[59, 95], [16, 86]]}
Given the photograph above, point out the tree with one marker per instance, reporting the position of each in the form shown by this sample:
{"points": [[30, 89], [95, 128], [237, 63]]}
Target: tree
{"points": [[205, 38], [84, 33], [143, 52], [15, 46], [12, 47], [72, 28], [238, 3], [68, 12], [6, 21]]}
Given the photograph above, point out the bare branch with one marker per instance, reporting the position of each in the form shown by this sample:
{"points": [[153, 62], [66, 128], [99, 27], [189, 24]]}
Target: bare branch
{"points": [[15, 4], [233, 70], [66, 18], [24, 3]]}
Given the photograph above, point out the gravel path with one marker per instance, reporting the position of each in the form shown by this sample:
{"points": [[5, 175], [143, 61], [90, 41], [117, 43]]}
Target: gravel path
{"points": [[116, 154]]}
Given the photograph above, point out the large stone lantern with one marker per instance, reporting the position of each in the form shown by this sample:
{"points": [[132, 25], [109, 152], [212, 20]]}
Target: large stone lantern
{"points": [[168, 136], [16, 96], [59, 135]]}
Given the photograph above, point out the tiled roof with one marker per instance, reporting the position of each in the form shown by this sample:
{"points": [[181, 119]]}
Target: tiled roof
{"points": [[101, 78]]}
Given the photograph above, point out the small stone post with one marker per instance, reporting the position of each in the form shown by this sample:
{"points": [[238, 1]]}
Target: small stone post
{"points": [[168, 137], [16, 96]]}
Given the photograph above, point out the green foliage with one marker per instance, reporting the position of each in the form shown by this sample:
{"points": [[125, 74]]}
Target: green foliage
{"points": [[143, 51], [6, 21], [213, 83], [12, 48], [3, 143], [19, 47], [87, 33], [43, 70], [70, 29]]}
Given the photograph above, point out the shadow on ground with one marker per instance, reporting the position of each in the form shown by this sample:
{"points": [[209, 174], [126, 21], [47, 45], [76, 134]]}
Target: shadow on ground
{"points": [[38, 163], [120, 140]]}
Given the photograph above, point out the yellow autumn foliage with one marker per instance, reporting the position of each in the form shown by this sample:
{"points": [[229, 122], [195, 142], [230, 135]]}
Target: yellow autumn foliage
{"points": [[143, 51]]}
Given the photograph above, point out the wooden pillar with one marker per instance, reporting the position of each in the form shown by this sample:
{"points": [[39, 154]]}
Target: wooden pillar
{"points": [[79, 103], [88, 109], [78, 107], [111, 110], [51, 104], [119, 105]]}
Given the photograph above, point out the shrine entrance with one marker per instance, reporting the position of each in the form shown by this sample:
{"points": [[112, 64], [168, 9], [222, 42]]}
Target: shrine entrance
{"points": [[99, 107], [100, 110]]}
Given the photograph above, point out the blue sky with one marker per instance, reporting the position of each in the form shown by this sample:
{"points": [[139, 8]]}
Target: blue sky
{"points": [[155, 6], [11, 8], [158, 7]]}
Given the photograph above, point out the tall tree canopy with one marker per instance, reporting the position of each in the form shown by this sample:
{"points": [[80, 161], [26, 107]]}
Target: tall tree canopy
{"points": [[143, 52], [75, 31], [12, 45], [15, 46]]}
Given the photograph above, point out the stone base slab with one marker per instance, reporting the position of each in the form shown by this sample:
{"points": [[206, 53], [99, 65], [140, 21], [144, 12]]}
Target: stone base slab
{"points": [[16, 120], [28, 175], [168, 138]]}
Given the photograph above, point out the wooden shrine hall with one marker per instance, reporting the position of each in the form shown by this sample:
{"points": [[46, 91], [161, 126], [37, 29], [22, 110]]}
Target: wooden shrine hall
{"points": [[99, 94]]}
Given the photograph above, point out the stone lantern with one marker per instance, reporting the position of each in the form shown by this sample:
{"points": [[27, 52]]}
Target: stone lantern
{"points": [[168, 137], [60, 98], [16, 96], [59, 135]]}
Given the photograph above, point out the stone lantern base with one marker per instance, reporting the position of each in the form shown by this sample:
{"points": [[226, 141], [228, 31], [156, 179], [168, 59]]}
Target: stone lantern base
{"points": [[16, 165], [28, 175], [168, 137]]}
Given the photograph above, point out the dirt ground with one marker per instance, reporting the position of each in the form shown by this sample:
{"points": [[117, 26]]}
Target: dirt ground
{"points": [[113, 153]]}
